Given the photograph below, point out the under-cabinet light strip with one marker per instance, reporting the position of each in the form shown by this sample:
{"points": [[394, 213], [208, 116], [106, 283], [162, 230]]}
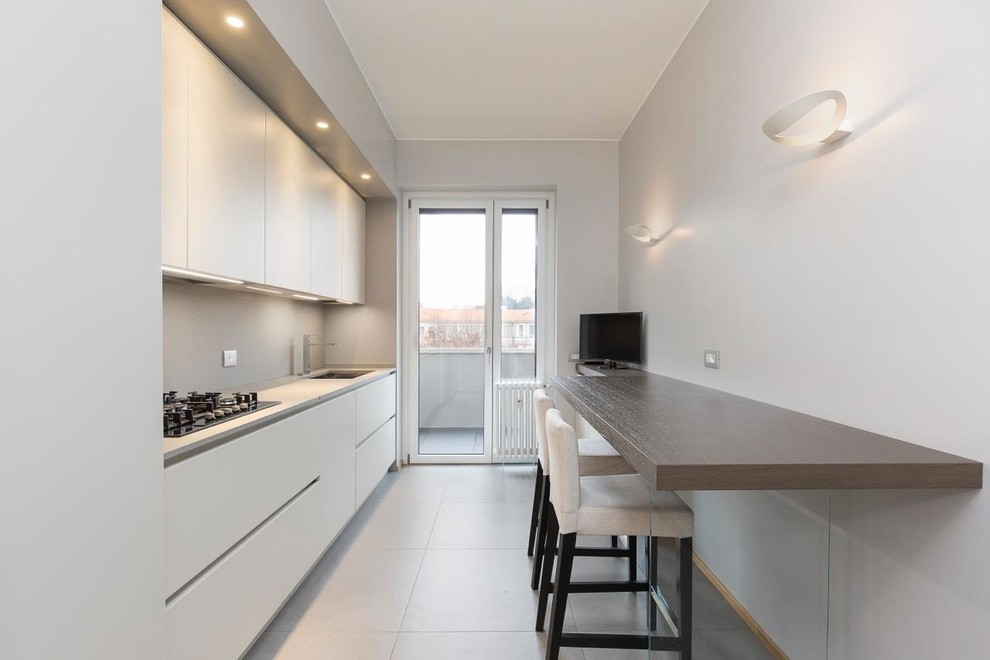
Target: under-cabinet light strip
{"points": [[262, 289], [199, 276]]}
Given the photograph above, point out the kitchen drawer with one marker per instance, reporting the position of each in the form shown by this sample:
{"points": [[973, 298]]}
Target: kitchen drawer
{"points": [[375, 404], [214, 499], [220, 614], [373, 460]]}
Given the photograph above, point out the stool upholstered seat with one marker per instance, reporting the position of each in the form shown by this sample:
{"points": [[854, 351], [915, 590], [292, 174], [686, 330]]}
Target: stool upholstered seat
{"points": [[609, 505], [620, 506], [597, 457]]}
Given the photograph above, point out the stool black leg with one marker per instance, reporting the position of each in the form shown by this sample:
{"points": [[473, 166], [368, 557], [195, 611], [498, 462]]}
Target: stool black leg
{"points": [[615, 542], [563, 581], [553, 528], [685, 592], [535, 519], [654, 576], [541, 534], [632, 559]]}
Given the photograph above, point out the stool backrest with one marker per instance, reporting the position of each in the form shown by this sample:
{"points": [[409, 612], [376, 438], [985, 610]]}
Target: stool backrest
{"points": [[541, 404], [565, 474]]}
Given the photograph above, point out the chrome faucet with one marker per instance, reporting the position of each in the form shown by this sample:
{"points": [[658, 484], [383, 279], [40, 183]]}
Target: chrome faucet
{"points": [[307, 342]]}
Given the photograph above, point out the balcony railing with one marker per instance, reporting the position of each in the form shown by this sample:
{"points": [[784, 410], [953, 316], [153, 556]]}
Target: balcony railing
{"points": [[452, 384]]}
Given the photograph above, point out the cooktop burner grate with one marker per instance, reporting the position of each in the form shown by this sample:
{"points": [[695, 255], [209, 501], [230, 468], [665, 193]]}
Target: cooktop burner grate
{"points": [[199, 410]]}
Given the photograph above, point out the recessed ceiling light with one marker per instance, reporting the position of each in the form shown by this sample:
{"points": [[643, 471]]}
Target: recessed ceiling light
{"points": [[235, 22], [302, 297], [322, 125], [182, 272], [365, 176], [262, 289]]}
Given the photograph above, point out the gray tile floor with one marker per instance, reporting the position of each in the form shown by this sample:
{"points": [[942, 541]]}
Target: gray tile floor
{"points": [[451, 441], [434, 567]]}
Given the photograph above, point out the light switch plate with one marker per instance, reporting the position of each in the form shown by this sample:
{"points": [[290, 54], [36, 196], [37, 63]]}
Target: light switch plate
{"points": [[712, 359], [230, 358]]}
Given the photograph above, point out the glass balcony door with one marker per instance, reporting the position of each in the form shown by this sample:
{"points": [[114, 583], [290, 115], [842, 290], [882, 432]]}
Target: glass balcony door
{"points": [[454, 310], [472, 320]]}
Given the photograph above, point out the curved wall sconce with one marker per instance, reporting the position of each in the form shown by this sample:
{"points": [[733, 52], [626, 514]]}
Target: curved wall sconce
{"points": [[645, 235], [832, 130]]}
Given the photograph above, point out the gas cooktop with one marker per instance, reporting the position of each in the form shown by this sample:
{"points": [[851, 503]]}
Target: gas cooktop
{"points": [[199, 410]]}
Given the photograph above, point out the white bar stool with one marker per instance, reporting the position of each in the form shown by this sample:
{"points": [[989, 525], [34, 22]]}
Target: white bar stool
{"points": [[597, 457], [609, 505]]}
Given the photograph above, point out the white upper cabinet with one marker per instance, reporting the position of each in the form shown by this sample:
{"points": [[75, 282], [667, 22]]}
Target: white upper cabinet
{"points": [[327, 193], [175, 138], [242, 195], [226, 217], [353, 216], [288, 207]]}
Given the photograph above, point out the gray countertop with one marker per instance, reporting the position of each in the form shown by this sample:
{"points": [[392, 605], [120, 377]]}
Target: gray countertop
{"points": [[682, 436], [295, 394]]}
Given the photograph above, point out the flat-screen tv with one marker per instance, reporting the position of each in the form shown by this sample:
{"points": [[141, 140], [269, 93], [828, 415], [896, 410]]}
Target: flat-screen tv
{"points": [[617, 337]]}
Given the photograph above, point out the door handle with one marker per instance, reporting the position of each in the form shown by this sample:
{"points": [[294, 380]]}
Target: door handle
{"points": [[489, 352]]}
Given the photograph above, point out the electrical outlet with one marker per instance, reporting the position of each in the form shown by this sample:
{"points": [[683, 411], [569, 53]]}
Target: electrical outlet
{"points": [[575, 357], [712, 359], [230, 359]]}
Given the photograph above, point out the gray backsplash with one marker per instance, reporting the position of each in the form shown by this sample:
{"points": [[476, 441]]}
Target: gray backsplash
{"points": [[365, 334], [200, 322]]}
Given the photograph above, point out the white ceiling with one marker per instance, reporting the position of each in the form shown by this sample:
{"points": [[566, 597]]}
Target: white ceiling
{"points": [[513, 69]]}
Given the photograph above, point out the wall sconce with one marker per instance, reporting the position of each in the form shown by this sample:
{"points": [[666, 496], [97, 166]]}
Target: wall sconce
{"points": [[832, 130], [645, 235]]}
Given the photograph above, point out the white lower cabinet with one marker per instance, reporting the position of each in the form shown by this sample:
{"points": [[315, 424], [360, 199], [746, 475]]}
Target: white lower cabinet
{"points": [[374, 456], [245, 521], [222, 613], [214, 499], [337, 464], [375, 404]]}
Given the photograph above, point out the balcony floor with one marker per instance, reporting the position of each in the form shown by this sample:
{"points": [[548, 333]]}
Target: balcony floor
{"points": [[452, 441]]}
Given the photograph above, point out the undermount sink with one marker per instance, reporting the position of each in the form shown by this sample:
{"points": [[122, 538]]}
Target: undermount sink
{"points": [[341, 375]]}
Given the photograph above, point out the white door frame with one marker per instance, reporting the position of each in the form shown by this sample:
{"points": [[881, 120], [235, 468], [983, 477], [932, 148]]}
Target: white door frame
{"points": [[412, 202]]}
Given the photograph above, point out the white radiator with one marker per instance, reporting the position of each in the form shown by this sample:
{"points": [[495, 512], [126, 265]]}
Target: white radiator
{"points": [[515, 428]]}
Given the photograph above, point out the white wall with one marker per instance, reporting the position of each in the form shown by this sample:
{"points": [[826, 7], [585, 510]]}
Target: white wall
{"points": [[266, 331], [847, 282], [584, 176], [366, 334], [308, 33], [81, 506]]}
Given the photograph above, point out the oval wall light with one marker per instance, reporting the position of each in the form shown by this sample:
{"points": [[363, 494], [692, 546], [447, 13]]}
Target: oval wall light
{"points": [[830, 131], [643, 234]]}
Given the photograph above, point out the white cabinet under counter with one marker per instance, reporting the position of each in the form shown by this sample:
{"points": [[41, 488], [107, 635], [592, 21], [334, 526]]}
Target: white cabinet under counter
{"points": [[216, 498], [337, 464], [250, 510], [229, 605], [375, 405], [373, 458]]}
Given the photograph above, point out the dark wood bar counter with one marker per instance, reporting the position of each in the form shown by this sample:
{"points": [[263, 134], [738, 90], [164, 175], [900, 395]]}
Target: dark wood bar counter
{"points": [[681, 436]]}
